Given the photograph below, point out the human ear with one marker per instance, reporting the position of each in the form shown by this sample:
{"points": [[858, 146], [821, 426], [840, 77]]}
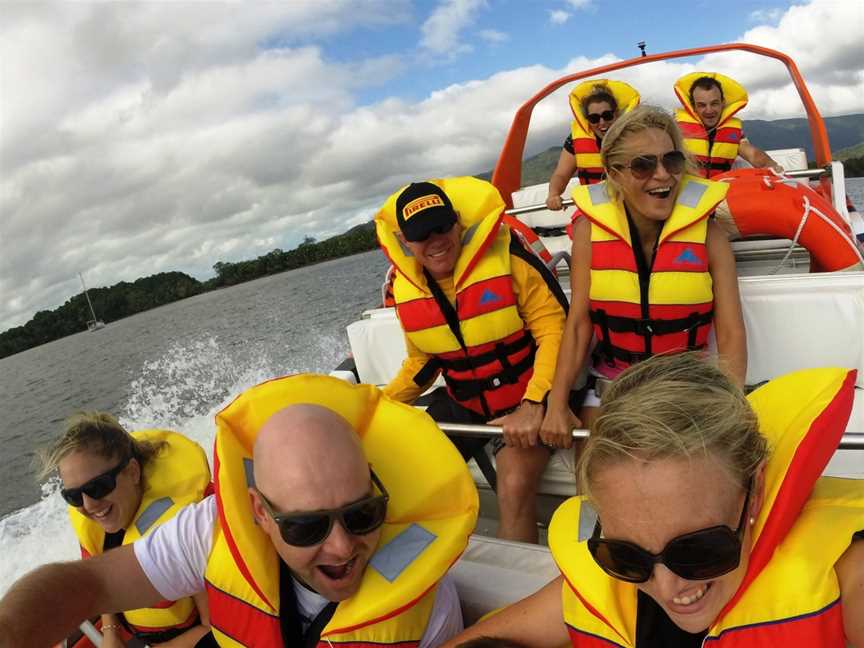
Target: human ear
{"points": [[757, 496], [262, 519]]}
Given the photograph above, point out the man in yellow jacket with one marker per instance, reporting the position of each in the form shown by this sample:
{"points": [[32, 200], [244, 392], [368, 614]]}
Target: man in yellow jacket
{"points": [[478, 307]]}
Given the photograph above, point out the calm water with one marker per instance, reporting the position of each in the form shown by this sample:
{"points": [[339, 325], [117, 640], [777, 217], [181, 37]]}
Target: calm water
{"points": [[172, 367]]}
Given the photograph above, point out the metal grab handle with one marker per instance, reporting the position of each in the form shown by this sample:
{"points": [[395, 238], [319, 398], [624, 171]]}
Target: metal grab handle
{"points": [[470, 430], [805, 173], [567, 202], [850, 440]]}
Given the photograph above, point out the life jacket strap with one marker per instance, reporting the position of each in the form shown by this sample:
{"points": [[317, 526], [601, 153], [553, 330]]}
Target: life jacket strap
{"points": [[468, 389], [500, 353], [647, 329], [650, 327]]}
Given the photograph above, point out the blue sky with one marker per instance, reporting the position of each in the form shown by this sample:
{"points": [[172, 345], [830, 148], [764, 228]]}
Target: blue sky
{"points": [[140, 137], [528, 36]]}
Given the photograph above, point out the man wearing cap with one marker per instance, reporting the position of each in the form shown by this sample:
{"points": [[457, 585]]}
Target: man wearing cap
{"points": [[707, 120], [328, 527], [475, 305]]}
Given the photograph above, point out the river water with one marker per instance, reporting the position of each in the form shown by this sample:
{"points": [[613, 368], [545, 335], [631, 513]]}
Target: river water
{"points": [[172, 367]]}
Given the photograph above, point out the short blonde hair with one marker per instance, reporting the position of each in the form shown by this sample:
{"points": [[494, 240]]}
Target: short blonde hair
{"points": [[99, 433], [674, 406], [636, 121]]}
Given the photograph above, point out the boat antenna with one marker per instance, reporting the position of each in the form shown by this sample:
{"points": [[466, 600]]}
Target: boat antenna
{"points": [[641, 46]]}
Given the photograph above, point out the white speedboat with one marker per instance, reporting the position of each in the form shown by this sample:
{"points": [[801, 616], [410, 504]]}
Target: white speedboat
{"points": [[795, 318]]}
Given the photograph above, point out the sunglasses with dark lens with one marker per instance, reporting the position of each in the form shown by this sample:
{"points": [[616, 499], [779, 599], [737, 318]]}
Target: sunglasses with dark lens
{"points": [[312, 528], [441, 229], [606, 115], [96, 488], [643, 166], [700, 555]]}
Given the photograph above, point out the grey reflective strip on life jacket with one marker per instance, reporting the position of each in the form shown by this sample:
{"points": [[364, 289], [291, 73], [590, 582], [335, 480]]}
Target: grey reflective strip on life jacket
{"points": [[469, 233], [598, 194], [152, 513], [538, 247], [404, 247], [248, 469], [392, 559], [691, 194], [587, 520]]}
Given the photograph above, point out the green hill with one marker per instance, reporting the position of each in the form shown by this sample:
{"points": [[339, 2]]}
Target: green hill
{"points": [[845, 133]]}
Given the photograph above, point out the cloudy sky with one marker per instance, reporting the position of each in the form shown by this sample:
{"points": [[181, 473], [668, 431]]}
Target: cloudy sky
{"points": [[150, 136]]}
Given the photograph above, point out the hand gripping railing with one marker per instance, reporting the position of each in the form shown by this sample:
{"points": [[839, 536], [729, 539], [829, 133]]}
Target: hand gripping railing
{"points": [[850, 440]]}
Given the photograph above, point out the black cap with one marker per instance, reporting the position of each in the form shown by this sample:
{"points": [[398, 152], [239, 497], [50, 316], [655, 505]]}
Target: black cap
{"points": [[423, 208]]}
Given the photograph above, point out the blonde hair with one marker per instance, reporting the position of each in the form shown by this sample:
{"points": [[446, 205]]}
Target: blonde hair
{"points": [[674, 406], [639, 119], [101, 434]]}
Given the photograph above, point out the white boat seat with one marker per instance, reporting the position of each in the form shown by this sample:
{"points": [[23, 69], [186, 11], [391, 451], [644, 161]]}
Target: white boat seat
{"points": [[793, 322], [489, 563]]}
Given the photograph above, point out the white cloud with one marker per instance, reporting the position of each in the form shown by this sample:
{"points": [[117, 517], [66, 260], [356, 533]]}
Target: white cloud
{"points": [[168, 142], [766, 15], [558, 16], [579, 4], [442, 30], [493, 36]]}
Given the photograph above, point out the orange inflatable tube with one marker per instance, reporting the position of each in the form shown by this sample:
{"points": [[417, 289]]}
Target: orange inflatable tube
{"points": [[761, 202]]}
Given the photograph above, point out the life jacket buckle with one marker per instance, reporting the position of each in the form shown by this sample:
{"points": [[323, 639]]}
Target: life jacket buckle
{"points": [[644, 328]]}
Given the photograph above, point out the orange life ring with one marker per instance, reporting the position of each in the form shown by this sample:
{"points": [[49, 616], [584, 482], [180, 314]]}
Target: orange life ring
{"points": [[761, 202], [528, 236]]}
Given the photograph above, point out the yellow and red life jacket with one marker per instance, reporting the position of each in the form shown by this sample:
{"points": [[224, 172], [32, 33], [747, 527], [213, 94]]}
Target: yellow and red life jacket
{"points": [[430, 515], [674, 310], [789, 595], [586, 148], [482, 345], [178, 475], [714, 154]]}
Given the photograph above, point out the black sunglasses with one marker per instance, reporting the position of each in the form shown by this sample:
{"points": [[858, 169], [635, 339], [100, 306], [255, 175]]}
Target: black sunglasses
{"points": [[700, 555], [312, 528], [606, 115], [96, 488], [440, 229], [643, 166]]}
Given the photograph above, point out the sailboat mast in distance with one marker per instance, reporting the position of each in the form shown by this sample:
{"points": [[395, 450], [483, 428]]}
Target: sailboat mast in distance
{"points": [[94, 324]]}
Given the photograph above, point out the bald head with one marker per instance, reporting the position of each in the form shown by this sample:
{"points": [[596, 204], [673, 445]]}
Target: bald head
{"points": [[303, 453]]}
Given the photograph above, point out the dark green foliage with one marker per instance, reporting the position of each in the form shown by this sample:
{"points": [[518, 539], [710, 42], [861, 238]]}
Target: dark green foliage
{"points": [[854, 167], [118, 301], [124, 299], [358, 239]]}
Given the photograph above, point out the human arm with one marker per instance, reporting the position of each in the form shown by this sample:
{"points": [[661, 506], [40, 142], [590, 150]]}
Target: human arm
{"points": [[190, 638], [403, 388], [560, 177], [756, 156], [559, 420], [536, 621], [544, 316], [72, 591], [728, 318], [111, 629], [850, 573]]}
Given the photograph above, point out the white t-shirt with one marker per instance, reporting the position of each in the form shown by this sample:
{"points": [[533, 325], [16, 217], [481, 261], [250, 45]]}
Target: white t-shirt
{"points": [[174, 559]]}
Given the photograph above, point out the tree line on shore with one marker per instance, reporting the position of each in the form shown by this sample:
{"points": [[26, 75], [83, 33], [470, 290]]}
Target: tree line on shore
{"points": [[125, 298]]}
